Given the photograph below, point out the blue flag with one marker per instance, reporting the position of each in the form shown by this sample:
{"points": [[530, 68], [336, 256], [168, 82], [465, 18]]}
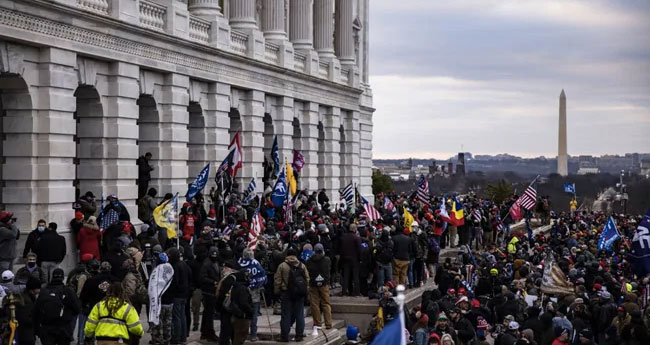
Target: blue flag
{"points": [[256, 273], [199, 183], [394, 333], [279, 190], [275, 155], [608, 236], [639, 256], [529, 229], [570, 188]]}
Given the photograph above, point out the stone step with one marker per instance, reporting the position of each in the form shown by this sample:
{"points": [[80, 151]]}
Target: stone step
{"points": [[325, 337], [266, 333]]}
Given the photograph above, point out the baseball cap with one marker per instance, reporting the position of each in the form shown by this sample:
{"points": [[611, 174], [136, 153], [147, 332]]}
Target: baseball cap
{"points": [[513, 325], [7, 276]]}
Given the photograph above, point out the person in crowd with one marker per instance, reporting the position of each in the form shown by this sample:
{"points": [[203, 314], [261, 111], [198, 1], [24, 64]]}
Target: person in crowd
{"points": [[210, 277], [350, 256], [144, 173], [290, 283], [87, 205], [77, 222], [146, 205], [9, 234], [30, 269], [34, 237], [383, 253], [88, 238], [24, 309], [318, 267], [113, 320], [179, 291], [54, 311], [402, 252], [241, 307], [256, 276], [50, 250]]}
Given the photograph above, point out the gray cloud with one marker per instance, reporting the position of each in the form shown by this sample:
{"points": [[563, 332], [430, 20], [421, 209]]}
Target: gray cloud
{"points": [[487, 74]]}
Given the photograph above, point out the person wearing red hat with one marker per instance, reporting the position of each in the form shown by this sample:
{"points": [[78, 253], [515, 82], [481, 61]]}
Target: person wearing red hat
{"points": [[77, 222], [188, 221], [421, 330]]}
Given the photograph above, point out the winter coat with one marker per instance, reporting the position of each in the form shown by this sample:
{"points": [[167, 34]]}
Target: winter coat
{"points": [[25, 334], [71, 305], [281, 278], [32, 240], [319, 267], [403, 247], [144, 169], [88, 240], [23, 274], [350, 248], [209, 276], [242, 303], [9, 234], [51, 247], [87, 208], [94, 290]]}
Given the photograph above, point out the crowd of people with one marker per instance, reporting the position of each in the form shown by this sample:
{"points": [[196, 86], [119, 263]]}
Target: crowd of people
{"points": [[217, 271]]}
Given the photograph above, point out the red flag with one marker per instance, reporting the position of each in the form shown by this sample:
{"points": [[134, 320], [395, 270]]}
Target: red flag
{"points": [[298, 160], [515, 211], [235, 148]]}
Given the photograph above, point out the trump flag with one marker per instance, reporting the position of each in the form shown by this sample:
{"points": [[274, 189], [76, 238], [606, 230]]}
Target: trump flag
{"points": [[639, 256], [608, 236]]}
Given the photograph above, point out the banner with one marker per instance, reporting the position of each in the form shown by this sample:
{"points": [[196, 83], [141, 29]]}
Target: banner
{"points": [[640, 253], [159, 281], [570, 188], [198, 184], [165, 216], [279, 190], [608, 236], [554, 281]]}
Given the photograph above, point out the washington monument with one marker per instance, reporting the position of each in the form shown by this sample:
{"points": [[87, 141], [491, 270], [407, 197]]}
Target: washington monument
{"points": [[562, 159]]}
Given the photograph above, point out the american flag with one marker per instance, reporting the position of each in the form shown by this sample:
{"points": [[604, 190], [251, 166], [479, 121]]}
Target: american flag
{"points": [[288, 210], [477, 215], [256, 229], [423, 190], [371, 211], [528, 199], [388, 205]]}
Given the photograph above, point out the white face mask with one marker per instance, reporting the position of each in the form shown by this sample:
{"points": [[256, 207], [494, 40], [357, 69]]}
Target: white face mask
{"points": [[40, 228]]}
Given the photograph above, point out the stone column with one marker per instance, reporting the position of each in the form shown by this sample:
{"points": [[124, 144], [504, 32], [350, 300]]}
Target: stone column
{"points": [[206, 9], [324, 28], [242, 14], [344, 33], [301, 24], [251, 110], [365, 154], [273, 20], [171, 161], [282, 113], [331, 153], [350, 121], [120, 149], [308, 115]]}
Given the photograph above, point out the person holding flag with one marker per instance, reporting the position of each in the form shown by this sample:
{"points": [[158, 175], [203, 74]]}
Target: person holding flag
{"points": [[166, 216]]}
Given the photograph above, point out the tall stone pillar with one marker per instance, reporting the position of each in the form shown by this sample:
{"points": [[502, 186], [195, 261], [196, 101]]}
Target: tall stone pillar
{"points": [[273, 20], [207, 9], [324, 28], [562, 156], [365, 154], [350, 121], [251, 111], [119, 149], [308, 115], [331, 153], [344, 32], [171, 162], [242, 14], [301, 24], [283, 123]]}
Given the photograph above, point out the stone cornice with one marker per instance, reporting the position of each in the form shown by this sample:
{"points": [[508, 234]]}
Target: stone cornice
{"points": [[27, 21]]}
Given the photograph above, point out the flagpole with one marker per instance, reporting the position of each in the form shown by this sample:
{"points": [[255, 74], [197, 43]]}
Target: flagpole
{"points": [[508, 214], [223, 201], [178, 226]]}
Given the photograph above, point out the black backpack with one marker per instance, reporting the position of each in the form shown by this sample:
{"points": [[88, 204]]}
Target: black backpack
{"points": [[52, 308], [297, 281], [385, 252]]}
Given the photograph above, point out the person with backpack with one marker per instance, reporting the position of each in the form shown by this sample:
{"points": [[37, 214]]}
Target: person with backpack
{"points": [[319, 289], [54, 311], [146, 205], [384, 257], [224, 301], [76, 280], [209, 277], [290, 283], [241, 307], [113, 320]]}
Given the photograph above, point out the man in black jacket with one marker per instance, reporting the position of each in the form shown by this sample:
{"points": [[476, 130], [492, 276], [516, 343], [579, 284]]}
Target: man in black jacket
{"points": [[383, 257], [34, 237], [402, 251], [464, 329], [223, 291], [241, 308], [51, 250], [319, 289], [24, 311], [180, 291], [54, 310], [95, 287], [209, 280], [350, 251], [144, 173]]}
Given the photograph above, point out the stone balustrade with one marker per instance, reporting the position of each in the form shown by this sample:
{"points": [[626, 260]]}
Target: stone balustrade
{"points": [[153, 15], [97, 6], [199, 29]]}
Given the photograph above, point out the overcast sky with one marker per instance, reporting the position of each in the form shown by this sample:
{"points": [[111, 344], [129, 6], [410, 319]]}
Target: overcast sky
{"points": [[487, 74]]}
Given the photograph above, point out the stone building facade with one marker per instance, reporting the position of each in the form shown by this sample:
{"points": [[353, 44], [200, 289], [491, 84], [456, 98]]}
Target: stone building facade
{"points": [[86, 86]]}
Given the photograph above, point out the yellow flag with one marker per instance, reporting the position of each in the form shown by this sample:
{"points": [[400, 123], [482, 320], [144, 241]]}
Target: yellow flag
{"points": [[165, 216], [408, 220], [291, 180]]}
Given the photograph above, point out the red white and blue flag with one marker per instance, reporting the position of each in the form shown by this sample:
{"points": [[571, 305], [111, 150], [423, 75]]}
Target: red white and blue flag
{"points": [[423, 190], [257, 226], [233, 161], [371, 211]]}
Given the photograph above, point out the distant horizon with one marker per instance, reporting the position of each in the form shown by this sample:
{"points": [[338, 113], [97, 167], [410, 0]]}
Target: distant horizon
{"points": [[388, 157]]}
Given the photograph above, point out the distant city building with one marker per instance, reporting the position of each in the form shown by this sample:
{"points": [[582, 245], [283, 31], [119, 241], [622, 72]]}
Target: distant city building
{"points": [[460, 164], [450, 168], [645, 167], [586, 168]]}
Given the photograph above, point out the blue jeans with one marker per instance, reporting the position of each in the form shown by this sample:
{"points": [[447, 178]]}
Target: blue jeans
{"points": [[179, 323], [384, 273], [410, 272], [256, 311], [81, 318], [293, 310]]}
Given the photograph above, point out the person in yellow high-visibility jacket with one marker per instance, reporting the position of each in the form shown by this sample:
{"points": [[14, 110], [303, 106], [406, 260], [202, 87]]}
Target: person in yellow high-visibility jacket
{"points": [[113, 320], [512, 246]]}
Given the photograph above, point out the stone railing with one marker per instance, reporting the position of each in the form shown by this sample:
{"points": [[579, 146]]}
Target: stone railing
{"points": [[238, 42], [271, 53], [199, 29], [345, 76], [152, 15], [323, 69], [97, 6], [299, 61]]}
